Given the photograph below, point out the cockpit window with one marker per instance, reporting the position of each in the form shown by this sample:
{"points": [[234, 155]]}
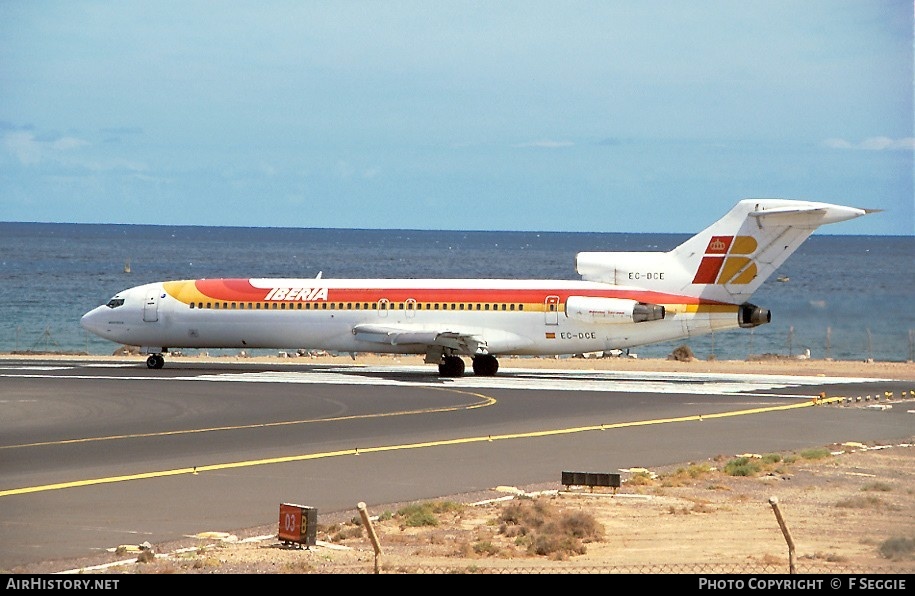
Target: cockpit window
{"points": [[115, 302]]}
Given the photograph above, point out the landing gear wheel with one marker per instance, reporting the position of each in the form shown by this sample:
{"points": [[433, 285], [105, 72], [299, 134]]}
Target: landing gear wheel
{"points": [[155, 361], [485, 365], [451, 366]]}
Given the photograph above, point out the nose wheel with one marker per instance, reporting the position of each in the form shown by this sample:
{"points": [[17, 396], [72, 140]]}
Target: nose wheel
{"points": [[155, 361]]}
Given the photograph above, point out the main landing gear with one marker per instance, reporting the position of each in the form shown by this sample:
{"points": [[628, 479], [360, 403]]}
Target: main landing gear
{"points": [[484, 365], [451, 366], [155, 361]]}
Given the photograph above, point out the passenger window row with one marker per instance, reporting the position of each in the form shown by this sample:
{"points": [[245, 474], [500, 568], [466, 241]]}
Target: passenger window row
{"points": [[279, 305]]}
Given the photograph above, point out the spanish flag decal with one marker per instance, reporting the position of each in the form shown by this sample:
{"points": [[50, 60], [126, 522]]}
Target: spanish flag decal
{"points": [[551, 336], [726, 261]]}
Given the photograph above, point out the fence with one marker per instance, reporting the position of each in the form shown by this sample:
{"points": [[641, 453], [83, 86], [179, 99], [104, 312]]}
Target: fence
{"points": [[485, 568]]}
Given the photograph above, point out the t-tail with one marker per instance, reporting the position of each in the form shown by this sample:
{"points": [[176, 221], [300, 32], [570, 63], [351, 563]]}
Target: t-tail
{"points": [[726, 262]]}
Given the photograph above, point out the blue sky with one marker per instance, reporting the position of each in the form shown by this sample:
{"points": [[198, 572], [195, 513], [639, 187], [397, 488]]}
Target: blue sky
{"points": [[616, 116]]}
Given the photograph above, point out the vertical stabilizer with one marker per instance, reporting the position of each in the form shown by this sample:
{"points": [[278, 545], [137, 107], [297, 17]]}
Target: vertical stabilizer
{"points": [[729, 260]]}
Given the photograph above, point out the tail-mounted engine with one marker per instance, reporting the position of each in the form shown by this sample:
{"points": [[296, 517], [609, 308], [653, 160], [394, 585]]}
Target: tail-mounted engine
{"points": [[591, 309], [751, 315]]}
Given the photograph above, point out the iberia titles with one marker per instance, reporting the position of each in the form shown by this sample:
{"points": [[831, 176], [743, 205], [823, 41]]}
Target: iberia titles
{"points": [[297, 294]]}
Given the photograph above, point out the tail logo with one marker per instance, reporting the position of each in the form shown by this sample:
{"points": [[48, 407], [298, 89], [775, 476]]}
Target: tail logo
{"points": [[726, 261]]}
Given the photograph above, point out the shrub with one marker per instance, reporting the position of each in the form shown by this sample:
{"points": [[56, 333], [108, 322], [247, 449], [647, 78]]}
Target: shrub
{"points": [[415, 516], [898, 548], [877, 486], [640, 479], [543, 530], [742, 466], [861, 502], [485, 548], [581, 525], [556, 545], [528, 514], [347, 533]]}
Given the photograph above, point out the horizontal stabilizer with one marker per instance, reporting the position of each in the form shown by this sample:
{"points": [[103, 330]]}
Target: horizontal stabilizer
{"points": [[809, 215]]}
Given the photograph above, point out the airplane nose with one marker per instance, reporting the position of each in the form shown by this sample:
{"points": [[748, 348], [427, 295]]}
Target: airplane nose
{"points": [[90, 321]]}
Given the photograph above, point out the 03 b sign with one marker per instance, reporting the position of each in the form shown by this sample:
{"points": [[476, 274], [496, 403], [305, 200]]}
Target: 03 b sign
{"points": [[298, 524]]}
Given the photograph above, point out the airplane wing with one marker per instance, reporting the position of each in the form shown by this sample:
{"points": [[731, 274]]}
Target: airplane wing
{"points": [[463, 342]]}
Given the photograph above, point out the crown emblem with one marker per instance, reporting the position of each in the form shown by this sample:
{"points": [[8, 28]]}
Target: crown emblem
{"points": [[717, 245]]}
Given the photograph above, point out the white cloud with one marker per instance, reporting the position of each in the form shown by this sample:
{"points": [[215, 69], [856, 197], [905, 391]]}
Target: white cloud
{"points": [[344, 169], [67, 143], [24, 146], [873, 144], [30, 151]]}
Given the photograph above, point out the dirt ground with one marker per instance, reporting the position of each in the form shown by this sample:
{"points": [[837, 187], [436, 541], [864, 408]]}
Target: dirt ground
{"points": [[848, 508]]}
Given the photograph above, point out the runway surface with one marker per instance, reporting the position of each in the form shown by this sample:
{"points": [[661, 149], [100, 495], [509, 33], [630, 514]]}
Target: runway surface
{"points": [[97, 455]]}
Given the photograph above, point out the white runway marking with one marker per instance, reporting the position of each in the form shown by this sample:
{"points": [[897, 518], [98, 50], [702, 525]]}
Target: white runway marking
{"points": [[36, 367], [516, 378], [552, 380]]}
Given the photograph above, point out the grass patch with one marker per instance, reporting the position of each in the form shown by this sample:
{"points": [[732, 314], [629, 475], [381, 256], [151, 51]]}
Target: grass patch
{"points": [[862, 502], [818, 453], [641, 479], [426, 513], [754, 466], [686, 475]]}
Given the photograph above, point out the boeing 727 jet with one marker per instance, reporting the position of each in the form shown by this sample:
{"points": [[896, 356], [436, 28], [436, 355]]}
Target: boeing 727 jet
{"points": [[624, 299]]}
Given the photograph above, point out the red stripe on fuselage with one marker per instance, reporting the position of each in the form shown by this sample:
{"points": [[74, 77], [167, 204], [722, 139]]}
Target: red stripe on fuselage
{"points": [[242, 290], [231, 289]]}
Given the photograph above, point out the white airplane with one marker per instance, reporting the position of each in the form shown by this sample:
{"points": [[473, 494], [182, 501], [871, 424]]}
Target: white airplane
{"points": [[624, 299]]}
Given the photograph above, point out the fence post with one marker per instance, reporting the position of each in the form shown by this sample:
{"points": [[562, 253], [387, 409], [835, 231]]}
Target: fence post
{"points": [[781, 523], [363, 512]]}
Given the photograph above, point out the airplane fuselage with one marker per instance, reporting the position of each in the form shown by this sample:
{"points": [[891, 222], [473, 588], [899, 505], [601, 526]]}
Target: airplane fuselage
{"points": [[523, 317]]}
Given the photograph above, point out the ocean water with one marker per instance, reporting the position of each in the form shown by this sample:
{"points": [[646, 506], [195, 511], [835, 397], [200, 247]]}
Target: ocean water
{"points": [[846, 298]]}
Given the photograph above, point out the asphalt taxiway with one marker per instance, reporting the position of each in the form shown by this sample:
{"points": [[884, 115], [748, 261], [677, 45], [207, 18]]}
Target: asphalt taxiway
{"points": [[94, 455]]}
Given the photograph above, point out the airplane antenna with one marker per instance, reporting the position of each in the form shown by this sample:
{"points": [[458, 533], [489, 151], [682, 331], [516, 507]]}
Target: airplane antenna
{"points": [[318, 276]]}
